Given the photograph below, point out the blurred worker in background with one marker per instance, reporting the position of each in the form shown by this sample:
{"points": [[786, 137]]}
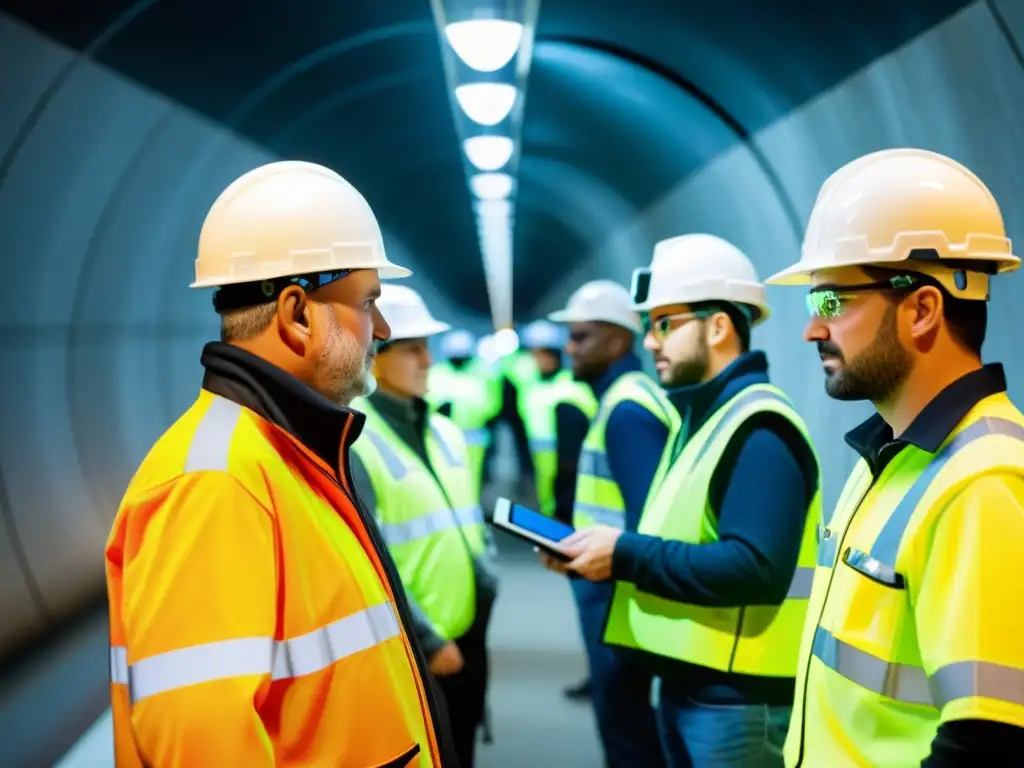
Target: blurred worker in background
{"points": [[912, 654], [556, 410], [714, 586], [256, 617], [622, 447], [460, 387], [517, 374], [411, 467]]}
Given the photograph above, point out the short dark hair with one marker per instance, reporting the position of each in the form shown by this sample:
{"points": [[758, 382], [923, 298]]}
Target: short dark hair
{"points": [[739, 317], [967, 318]]}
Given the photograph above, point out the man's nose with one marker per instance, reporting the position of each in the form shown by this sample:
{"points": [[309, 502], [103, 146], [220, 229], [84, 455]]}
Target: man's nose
{"points": [[816, 330]]}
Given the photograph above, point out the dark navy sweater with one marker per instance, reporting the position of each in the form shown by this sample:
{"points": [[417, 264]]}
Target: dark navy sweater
{"points": [[759, 493]]}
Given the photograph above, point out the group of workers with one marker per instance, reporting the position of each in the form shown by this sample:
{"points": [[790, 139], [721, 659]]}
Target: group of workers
{"points": [[300, 572]]}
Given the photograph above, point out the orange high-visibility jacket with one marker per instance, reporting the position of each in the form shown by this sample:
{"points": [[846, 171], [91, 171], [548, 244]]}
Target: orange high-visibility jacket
{"points": [[252, 619]]}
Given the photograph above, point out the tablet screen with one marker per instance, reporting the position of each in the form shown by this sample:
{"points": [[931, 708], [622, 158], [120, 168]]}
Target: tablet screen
{"points": [[535, 522]]}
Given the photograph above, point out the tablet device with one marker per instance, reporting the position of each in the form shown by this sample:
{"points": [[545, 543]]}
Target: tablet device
{"points": [[541, 530]]}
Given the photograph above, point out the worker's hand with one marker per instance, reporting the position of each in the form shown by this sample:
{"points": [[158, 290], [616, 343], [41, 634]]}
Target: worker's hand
{"points": [[447, 660], [551, 563], [591, 550]]}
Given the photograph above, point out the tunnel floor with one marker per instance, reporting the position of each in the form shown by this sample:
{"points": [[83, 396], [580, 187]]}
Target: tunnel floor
{"points": [[535, 652]]}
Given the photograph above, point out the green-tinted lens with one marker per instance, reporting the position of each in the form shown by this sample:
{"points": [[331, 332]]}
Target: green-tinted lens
{"points": [[663, 326], [824, 304]]}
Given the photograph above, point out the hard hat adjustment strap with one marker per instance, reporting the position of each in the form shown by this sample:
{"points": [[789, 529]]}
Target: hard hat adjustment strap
{"points": [[240, 295]]}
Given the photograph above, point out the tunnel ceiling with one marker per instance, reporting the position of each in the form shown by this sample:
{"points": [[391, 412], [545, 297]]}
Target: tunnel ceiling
{"points": [[624, 101]]}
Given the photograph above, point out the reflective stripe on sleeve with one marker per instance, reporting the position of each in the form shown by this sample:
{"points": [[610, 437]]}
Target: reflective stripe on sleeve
{"points": [[967, 679], [281, 660], [429, 524]]}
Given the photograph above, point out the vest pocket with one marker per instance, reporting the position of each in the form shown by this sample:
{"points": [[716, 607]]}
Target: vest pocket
{"points": [[874, 569], [403, 760]]}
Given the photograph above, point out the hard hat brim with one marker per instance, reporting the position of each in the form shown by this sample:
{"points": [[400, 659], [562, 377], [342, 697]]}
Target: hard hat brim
{"points": [[424, 331], [386, 271], [567, 316]]}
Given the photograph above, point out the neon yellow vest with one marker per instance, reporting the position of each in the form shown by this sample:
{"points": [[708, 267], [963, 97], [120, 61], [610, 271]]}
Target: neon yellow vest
{"points": [[473, 405], [598, 498], [865, 696], [538, 412], [433, 527], [754, 639]]}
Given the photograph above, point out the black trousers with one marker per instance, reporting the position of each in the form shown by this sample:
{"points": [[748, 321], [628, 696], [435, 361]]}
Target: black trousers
{"points": [[465, 692]]}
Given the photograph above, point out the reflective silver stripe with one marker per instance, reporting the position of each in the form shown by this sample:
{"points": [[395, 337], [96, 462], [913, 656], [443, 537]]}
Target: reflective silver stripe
{"points": [[888, 542], [800, 587], [476, 437], [282, 660], [826, 547], [902, 682], [595, 463], [212, 438], [730, 417], [657, 395], [538, 444], [429, 524], [394, 465], [909, 684], [473, 515], [449, 455], [604, 515], [964, 679]]}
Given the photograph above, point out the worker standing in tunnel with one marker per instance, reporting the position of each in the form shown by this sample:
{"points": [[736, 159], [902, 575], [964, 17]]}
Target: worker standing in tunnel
{"points": [[412, 468], [714, 585], [622, 447], [912, 653], [460, 388], [556, 409], [256, 617]]}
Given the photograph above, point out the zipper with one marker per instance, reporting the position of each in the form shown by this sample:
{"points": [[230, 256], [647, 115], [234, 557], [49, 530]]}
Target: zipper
{"points": [[395, 582], [821, 614]]}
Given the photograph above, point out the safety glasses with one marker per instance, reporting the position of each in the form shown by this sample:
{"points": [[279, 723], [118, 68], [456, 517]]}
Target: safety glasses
{"points": [[664, 325], [829, 301]]}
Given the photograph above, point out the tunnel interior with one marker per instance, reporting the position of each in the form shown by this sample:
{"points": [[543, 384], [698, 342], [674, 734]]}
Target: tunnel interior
{"points": [[122, 121]]}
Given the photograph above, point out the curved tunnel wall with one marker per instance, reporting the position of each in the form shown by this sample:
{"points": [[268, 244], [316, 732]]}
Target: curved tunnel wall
{"points": [[957, 89], [101, 207]]}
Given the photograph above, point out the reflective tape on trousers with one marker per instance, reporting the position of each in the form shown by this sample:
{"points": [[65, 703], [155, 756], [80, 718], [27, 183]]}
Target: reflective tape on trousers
{"points": [[282, 660]]}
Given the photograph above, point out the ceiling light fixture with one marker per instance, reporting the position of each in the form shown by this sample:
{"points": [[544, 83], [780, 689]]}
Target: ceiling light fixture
{"points": [[486, 45], [491, 186], [489, 153], [486, 103]]}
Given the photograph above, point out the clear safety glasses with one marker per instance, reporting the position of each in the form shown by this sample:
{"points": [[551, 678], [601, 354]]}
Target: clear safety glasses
{"points": [[665, 324], [828, 301]]}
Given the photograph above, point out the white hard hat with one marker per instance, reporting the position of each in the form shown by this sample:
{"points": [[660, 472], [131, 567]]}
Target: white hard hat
{"points": [[287, 219], [542, 334], [600, 301], [692, 268], [883, 207], [407, 314], [458, 343]]}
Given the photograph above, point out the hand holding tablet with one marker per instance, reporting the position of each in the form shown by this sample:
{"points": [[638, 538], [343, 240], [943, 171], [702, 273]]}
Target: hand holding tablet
{"points": [[540, 530]]}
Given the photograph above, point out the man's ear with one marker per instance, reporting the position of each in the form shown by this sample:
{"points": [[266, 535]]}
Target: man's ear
{"points": [[927, 306], [295, 318], [716, 328]]}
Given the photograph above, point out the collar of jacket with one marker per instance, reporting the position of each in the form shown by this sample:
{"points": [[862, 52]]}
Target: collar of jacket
{"points": [[625, 364], [281, 399], [700, 401]]}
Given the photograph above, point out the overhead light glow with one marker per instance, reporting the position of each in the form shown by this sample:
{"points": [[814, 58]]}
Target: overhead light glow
{"points": [[489, 153], [491, 186], [488, 209], [486, 45], [486, 103], [506, 341]]}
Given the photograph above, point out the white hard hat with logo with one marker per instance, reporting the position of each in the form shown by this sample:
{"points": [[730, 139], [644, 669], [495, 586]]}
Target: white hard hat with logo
{"points": [[601, 301], [407, 314], [289, 219], [907, 208], [688, 269]]}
